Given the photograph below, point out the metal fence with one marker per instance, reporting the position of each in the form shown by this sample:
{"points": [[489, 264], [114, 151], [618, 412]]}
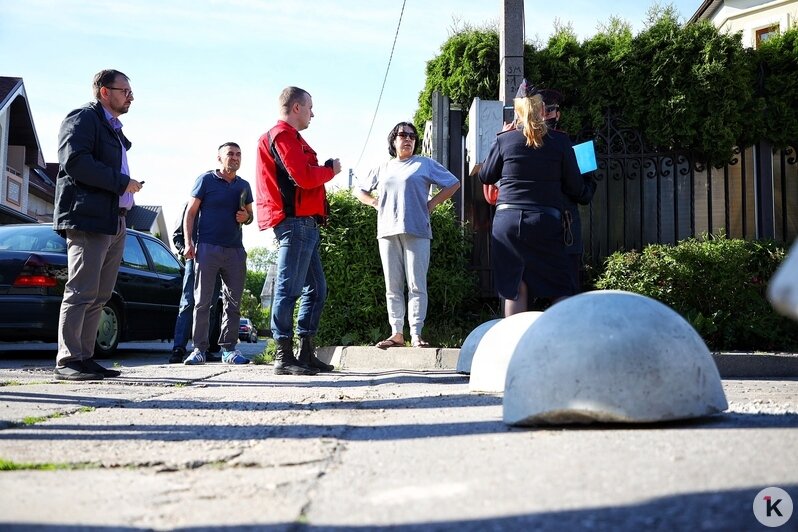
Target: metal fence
{"points": [[649, 196], [646, 196]]}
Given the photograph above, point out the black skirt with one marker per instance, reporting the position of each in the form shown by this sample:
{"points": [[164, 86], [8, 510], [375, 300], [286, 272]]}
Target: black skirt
{"points": [[528, 245]]}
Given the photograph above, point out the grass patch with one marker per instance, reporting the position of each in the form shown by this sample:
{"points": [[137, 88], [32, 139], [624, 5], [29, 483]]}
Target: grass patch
{"points": [[267, 355], [32, 420], [8, 465]]}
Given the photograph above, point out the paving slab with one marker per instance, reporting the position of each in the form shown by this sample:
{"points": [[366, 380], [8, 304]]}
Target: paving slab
{"points": [[169, 447]]}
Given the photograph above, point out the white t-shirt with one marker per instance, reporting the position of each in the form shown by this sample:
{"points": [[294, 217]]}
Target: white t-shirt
{"points": [[403, 188]]}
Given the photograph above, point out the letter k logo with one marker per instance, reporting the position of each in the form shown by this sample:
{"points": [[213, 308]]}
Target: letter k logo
{"points": [[772, 506]]}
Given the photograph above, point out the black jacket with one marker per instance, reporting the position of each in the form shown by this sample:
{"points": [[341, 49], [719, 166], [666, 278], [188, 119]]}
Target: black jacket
{"points": [[89, 179], [533, 176]]}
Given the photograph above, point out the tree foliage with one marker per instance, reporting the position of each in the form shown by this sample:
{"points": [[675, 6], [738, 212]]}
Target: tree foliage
{"points": [[684, 87], [776, 63], [466, 68], [356, 312]]}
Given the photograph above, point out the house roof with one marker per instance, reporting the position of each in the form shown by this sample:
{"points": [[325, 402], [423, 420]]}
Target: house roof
{"points": [[12, 216], [42, 185], [141, 217], [706, 10], [21, 131], [8, 87]]}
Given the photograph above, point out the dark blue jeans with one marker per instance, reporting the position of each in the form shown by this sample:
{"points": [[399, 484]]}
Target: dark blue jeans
{"points": [[299, 276], [185, 315]]}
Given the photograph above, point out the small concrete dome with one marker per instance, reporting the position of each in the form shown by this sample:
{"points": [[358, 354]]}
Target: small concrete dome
{"points": [[610, 356], [782, 288], [489, 366], [470, 345]]}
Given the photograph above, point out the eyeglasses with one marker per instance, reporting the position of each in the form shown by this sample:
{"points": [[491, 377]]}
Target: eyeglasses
{"points": [[552, 108], [406, 135], [127, 92]]}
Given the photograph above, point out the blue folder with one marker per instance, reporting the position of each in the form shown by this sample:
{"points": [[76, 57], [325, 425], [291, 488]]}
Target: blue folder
{"points": [[586, 156]]}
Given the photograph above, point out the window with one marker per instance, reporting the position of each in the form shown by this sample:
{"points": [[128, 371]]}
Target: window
{"points": [[164, 261], [763, 34], [133, 256], [14, 192]]}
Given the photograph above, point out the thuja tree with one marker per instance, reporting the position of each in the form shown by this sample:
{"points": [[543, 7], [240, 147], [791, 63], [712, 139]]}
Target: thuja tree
{"points": [[355, 312], [776, 67], [689, 87], [466, 68], [684, 87]]}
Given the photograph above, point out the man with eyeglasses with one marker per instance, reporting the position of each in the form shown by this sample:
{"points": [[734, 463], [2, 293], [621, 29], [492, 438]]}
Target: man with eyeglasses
{"points": [[292, 200], [94, 192]]}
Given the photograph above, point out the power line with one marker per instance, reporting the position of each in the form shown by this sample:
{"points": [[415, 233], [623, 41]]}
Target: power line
{"points": [[387, 69]]}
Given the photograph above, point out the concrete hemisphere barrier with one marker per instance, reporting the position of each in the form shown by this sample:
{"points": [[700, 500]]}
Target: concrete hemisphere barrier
{"points": [[610, 356], [492, 356], [470, 344]]}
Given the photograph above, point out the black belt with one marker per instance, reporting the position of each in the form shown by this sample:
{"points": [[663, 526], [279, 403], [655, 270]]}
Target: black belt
{"points": [[123, 211], [551, 211]]}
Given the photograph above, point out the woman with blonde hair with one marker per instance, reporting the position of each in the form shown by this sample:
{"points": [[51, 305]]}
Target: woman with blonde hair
{"points": [[537, 167]]}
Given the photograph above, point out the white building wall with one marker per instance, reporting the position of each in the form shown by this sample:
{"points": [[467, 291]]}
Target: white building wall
{"points": [[748, 16]]}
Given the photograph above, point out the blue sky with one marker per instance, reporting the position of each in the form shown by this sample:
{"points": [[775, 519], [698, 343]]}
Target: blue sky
{"points": [[208, 71]]}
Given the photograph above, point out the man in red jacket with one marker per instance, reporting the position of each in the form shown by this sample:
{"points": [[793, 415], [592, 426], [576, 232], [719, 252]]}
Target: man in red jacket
{"points": [[291, 199]]}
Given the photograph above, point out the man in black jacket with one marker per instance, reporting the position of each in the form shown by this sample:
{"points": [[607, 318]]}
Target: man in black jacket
{"points": [[93, 193]]}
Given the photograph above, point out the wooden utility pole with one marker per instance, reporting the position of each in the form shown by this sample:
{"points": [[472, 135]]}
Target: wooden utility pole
{"points": [[511, 52]]}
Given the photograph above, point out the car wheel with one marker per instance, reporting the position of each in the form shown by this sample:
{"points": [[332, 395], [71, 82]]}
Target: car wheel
{"points": [[109, 331]]}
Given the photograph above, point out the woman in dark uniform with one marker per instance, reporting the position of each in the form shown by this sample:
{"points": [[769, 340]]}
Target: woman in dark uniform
{"points": [[537, 167]]}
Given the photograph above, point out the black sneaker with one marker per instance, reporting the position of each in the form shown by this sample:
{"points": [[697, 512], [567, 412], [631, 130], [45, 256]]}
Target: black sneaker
{"points": [[94, 367], [213, 357], [74, 370], [178, 355]]}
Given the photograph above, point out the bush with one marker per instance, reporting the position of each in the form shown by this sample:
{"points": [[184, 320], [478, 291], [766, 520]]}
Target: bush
{"points": [[355, 312], [717, 284], [250, 302]]}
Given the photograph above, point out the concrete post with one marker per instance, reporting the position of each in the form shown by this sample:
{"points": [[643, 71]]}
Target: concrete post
{"points": [[440, 128], [511, 52]]}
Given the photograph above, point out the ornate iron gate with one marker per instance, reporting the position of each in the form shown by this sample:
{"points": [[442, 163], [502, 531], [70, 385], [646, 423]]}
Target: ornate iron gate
{"points": [[646, 196]]}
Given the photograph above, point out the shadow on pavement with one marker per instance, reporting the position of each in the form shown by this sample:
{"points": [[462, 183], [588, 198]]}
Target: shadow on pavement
{"points": [[717, 510]]}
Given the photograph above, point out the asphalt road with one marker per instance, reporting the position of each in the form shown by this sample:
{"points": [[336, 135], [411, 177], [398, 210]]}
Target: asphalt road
{"points": [[168, 447]]}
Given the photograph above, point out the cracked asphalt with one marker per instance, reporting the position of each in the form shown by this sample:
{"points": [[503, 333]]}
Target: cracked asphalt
{"points": [[171, 447]]}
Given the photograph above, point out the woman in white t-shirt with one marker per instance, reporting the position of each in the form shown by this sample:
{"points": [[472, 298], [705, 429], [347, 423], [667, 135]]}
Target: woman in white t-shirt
{"points": [[403, 206]]}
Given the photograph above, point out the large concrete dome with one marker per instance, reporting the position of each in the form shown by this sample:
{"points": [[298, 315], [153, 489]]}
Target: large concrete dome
{"points": [[470, 344], [610, 356], [489, 366]]}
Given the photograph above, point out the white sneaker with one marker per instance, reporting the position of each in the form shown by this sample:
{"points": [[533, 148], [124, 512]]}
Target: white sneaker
{"points": [[233, 357], [195, 358]]}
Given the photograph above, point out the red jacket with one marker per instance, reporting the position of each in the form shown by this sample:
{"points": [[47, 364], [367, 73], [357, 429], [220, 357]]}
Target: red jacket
{"points": [[289, 180]]}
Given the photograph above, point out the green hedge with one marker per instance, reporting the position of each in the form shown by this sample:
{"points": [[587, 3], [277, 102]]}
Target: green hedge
{"points": [[356, 313], [684, 87], [717, 284]]}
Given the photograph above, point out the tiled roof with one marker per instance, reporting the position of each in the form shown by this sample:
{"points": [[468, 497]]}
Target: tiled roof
{"points": [[141, 217], [41, 181], [7, 86]]}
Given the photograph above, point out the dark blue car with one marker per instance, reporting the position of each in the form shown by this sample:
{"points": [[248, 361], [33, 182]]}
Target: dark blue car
{"points": [[33, 270]]}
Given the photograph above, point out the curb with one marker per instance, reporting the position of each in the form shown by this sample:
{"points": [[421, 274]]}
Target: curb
{"points": [[730, 365], [756, 365]]}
